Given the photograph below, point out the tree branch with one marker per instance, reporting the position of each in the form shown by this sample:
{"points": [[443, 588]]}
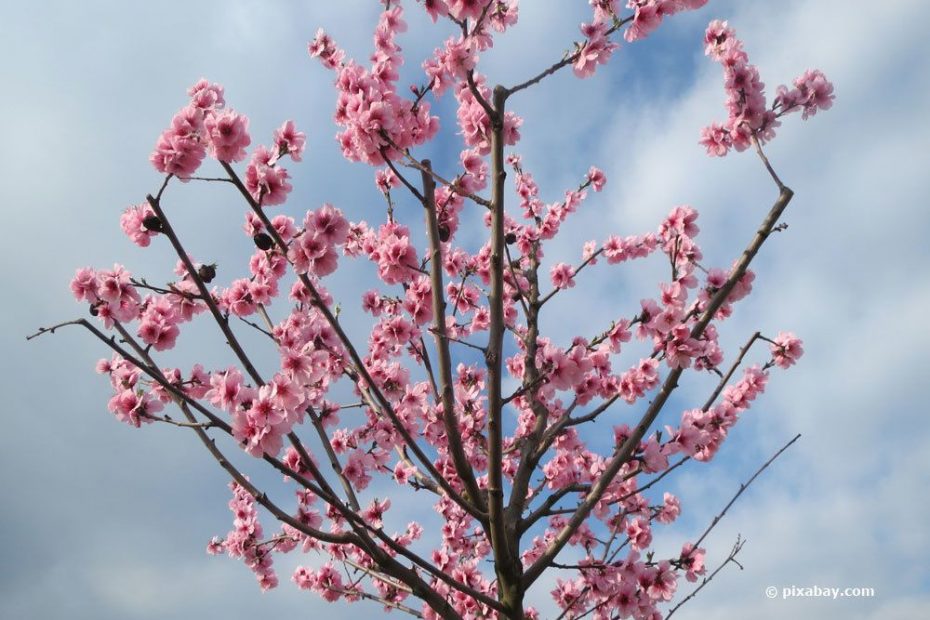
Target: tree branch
{"points": [[737, 547], [446, 386], [624, 452]]}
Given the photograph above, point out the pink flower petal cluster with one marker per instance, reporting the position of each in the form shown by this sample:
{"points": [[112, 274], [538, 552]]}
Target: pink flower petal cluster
{"points": [[132, 221], [376, 119], [812, 91], [786, 349], [648, 15], [325, 581], [226, 134], [393, 252], [267, 182], [245, 539], [596, 50], [202, 126], [474, 124], [313, 250], [110, 293], [749, 117]]}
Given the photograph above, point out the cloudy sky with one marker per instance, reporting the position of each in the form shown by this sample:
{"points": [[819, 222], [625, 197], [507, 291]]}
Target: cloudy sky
{"points": [[99, 520]]}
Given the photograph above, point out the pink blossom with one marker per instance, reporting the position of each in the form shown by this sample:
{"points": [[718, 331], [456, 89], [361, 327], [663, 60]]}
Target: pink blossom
{"points": [[206, 96], [596, 178], [394, 254], [716, 139], [815, 92], [216, 546], [132, 223], [177, 153], [266, 182], [670, 510], [158, 324], [692, 560], [325, 49], [786, 349], [84, 285], [436, 9], [289, 141], [465, 9], [134, 408], [374, 513], [562, 275], [227, 134], [604, 10], [646, 18], [596, 50], [717, 39]]}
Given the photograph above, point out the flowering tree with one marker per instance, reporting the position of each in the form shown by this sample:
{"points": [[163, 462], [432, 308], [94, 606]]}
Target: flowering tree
{"points": [[510, 471]]}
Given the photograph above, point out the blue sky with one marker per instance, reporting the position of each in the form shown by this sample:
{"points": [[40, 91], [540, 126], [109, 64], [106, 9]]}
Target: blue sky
{"points": [[102, 521]]}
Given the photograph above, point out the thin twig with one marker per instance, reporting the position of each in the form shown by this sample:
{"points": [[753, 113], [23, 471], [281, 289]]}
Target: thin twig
{"points": [[742, 488], [737, 547]]}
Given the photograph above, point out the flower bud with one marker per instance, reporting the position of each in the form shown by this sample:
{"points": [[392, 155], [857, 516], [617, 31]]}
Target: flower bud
{"points": [[263, 241], [152, 223], [207, 272], [444, 233]]}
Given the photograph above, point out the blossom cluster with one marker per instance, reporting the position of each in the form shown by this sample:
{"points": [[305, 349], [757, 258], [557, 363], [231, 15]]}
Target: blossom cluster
{"points": [[749, 115], [206, 126], [245, 539], [378, 122]]}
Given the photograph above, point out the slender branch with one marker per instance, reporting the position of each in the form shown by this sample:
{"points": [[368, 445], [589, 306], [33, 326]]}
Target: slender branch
{"points": [[584, 264], [765, 160], [575, 599], [51, 330], [725, 378], [737, 547], [257, 327], [654, 481], [566, 60], [383, 601], [548, 503], [377, 575], [446, 386], [502, 530], [221, 320], [516, 282], [403, 179], [470, 78], [465, 343], [168, 420], [742, 488], [452, 185], [212, 179]]}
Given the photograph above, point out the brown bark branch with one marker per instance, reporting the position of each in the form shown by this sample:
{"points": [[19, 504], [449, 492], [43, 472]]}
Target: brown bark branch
{"points": [[503, 536], [566, 60], [446, 386]]}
